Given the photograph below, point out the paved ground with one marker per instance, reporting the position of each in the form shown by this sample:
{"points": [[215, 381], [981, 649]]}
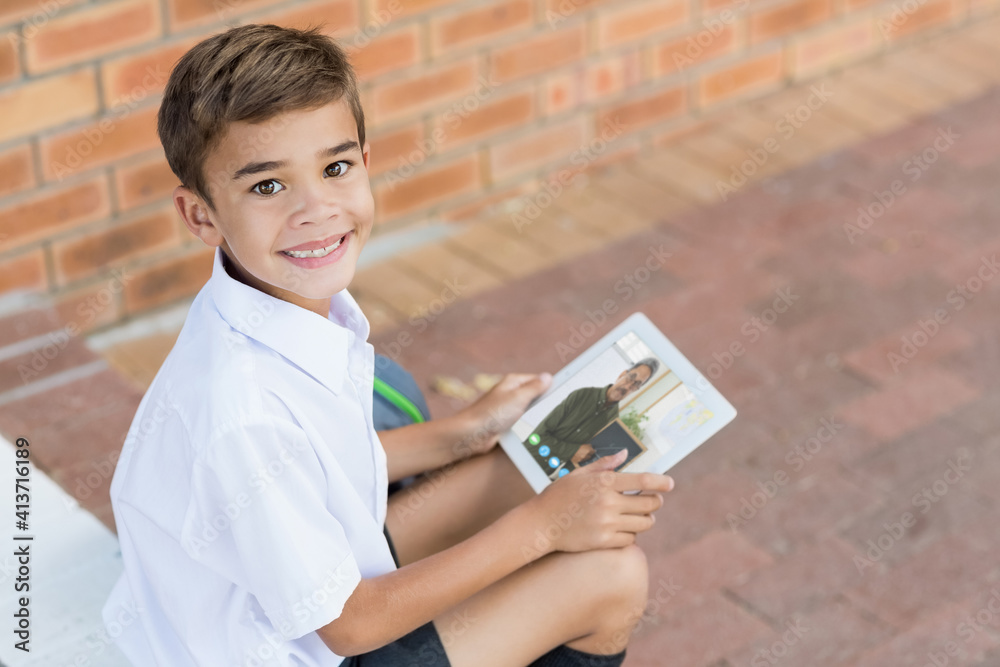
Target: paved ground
{"points": [[872, 398], [923, 422]]}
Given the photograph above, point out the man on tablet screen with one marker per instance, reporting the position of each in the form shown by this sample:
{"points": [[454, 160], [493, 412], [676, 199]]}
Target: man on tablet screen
{"points": [[561, 442]]}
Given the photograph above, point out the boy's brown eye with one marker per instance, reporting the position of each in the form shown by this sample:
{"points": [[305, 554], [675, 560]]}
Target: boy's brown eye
{"points": [[265, 188], [337, 169]]}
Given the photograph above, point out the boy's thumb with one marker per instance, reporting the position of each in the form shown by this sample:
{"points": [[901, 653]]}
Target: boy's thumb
{"points": [[608, 462]]}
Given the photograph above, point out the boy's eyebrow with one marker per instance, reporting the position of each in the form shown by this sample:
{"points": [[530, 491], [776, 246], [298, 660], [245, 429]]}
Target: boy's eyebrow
{"points": [[257, 167]]}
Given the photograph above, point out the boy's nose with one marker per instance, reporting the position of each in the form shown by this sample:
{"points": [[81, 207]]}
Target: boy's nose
{"points": [[315, 204]]}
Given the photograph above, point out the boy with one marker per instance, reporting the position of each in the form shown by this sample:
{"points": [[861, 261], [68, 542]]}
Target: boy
{"points": [[250, 497]]}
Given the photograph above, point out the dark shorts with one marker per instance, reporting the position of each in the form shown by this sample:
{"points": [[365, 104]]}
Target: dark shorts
{"points": [[420, 648], [423, 648]]}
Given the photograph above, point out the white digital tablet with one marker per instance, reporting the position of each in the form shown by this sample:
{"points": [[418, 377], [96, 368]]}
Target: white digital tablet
{"points": [[632, 389]]}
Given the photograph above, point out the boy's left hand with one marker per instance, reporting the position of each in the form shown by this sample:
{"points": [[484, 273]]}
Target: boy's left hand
{"points": [[497, 410]]}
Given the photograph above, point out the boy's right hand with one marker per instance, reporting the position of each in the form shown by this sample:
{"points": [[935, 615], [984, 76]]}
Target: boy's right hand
{"points": [[586, 509]]}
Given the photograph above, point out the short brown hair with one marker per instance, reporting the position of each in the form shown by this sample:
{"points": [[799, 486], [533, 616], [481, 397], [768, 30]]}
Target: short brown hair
{"points": [[249, 73]]}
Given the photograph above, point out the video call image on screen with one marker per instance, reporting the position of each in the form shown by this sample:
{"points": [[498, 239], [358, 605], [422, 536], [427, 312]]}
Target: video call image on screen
{"points": [[625, 398]]}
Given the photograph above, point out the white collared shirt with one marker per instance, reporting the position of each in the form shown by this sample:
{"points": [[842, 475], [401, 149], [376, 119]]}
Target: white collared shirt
{"points": [[250, 495]]}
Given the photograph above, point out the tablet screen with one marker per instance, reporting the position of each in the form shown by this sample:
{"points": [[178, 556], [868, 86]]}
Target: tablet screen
{"points": [[626, 397]]}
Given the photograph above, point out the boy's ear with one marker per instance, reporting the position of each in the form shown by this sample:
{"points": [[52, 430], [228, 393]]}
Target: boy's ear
{"points": [[365, 154], [194, 213]]}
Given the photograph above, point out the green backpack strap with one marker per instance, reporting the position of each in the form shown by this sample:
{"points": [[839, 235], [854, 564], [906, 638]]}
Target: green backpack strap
{"points": [[389, 393]]}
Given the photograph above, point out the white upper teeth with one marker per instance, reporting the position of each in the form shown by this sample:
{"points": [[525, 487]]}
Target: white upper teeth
{"points": [[319, 252]]}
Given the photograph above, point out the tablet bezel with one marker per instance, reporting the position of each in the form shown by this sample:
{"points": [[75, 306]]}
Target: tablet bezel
{"points": [[698, 384]]}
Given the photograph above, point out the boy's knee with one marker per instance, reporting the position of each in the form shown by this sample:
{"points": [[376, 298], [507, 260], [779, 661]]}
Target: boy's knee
{"points": [[624, 573]]}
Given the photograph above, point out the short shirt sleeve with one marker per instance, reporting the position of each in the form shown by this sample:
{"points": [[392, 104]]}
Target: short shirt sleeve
{"points": [[258, 515]]}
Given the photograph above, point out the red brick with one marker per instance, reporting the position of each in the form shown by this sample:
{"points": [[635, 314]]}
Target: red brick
{"points": [[751, 76], [814, 573], [389, 147], [781, 20], [558, 11], [170, 280], [53, 210], [826, 637], [17, 171], [25, 271], [136, 76], [637, 22], [93, 306], [832, 48], [540, 54], [606, 79], [549, 144], [644, 111], [719, 559], [143, 182], [427, 187], [913, 401], [398, 8], [873, 360], [186, 13], [487, 119], [385, 53], [419, 93], [99, 250], [112, 138], [477, 25], [693, 49], [484, 203], [92, 32], [700, 633], [48, 101], [53, 355], [914, 643], [951, 569], [334, 17], [10, 67], [562, 92], [895, 23], [30, 13]]}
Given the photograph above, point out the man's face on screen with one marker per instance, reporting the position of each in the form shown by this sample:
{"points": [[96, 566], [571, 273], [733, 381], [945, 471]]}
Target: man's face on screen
{"points": [[628, 382]]}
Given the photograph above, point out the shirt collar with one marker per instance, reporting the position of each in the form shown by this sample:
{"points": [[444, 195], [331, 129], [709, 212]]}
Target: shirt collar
{"points": [[318, 346]]}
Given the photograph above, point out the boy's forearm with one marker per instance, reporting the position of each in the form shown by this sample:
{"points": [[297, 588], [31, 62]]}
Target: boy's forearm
{"points": [[417, 448], [385, 608]]}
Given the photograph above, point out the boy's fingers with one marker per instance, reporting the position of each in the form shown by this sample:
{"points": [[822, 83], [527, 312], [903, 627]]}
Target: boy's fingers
{"points": [[641, 504], [603, 463], [643, 481]]}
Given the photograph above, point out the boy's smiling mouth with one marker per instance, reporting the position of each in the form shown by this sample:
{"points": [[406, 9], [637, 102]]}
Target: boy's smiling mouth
{"points": [[316, 249]]}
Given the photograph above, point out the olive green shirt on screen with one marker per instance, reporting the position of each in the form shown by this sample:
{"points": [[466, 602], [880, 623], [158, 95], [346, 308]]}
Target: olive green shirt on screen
{"points": [[572, 423]]}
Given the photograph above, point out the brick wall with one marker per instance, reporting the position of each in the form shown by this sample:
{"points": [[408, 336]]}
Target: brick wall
{"points": [[469, 103]]}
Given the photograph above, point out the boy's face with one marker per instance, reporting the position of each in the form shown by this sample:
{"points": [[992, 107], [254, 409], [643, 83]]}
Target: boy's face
{"points": [[293, 206]]}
